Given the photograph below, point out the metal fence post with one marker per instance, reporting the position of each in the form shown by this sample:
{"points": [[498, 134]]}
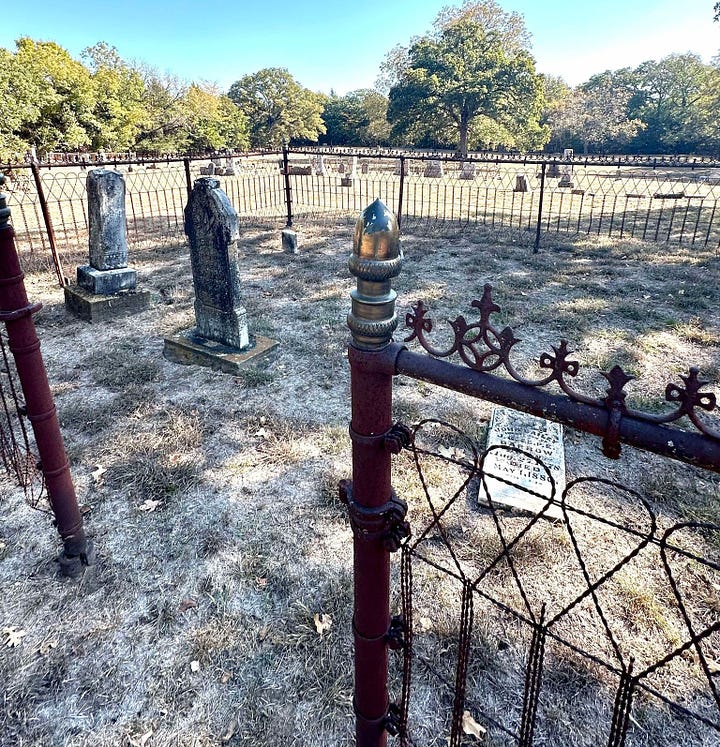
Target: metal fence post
{"points": [[288, 188], [376, 515], [401, 189], [540, 208], [188, 177], [48, 225], [17, 313]]}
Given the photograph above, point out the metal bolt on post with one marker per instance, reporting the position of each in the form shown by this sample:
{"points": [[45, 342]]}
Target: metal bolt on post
{"points": [[16, 312], [376, 514]]}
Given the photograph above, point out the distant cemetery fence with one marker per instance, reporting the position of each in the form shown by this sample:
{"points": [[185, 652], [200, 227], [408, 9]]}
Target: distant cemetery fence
{"points": [[667, 200]]}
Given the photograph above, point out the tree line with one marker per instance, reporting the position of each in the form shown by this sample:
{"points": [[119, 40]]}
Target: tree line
{"points": [[470, 83]]}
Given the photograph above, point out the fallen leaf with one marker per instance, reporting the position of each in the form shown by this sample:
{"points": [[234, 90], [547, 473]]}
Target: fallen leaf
{"points": [[225, 677], [47, 646], [451, 453], [14, 637], [149, 505], [471, 727], [713, 667], [187, 604], [230, 731], [194, 665], [323, 622], [98, 472], [140, 740]]}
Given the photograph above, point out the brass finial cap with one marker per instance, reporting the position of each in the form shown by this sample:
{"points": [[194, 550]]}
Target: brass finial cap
{"points": [[376, 258]]}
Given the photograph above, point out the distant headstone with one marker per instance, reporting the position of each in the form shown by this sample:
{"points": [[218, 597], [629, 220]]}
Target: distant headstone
{"points": [[522, 183], [341, 167], [541, 438], [211, 225], [317, 164], [108, 271], [406, 167], [568, 154], [468, 170], [553, 170], [289, 241], [434, 169], [364, 167]]}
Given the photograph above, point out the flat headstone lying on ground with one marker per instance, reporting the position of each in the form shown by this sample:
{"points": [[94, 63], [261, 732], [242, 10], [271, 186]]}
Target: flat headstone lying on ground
{"points": [[541, 438]]}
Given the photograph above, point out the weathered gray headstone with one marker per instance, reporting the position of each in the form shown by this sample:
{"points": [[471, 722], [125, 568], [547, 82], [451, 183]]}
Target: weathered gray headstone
{"points": [[541, 438], [364, 167], [107, 272], [434, 169], [522, 183], [211, 225], [289, 241], [553, 170], [468, 170], [341, 167]]}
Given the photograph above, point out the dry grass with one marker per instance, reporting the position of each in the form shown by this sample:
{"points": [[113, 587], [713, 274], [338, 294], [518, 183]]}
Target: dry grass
{"points": [[213, 505]]}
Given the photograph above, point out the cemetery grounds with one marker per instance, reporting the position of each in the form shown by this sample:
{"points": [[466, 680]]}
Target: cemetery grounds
{"points": [[219, 610]]}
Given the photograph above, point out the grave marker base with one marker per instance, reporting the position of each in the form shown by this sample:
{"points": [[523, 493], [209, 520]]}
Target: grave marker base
{"points": [[189, 349], [93, 308]]}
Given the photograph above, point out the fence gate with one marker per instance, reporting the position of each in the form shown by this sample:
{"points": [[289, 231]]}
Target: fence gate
{"points": [[602, 627]]}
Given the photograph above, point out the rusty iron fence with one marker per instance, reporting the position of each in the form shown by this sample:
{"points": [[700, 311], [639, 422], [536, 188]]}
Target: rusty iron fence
{"points": [[669, 200], [41, 467], [459, 553]]}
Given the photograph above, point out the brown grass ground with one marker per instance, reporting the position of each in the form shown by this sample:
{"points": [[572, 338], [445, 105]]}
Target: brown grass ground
{"points": [[212, 498]]}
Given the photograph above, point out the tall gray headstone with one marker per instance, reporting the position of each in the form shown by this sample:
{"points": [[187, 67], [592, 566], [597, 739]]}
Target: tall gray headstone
{"points": [[107, 272], [434, 169], [211, 225], [468, 170]]}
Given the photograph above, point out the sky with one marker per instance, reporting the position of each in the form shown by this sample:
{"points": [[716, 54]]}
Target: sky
{"points": [[340, 46]]}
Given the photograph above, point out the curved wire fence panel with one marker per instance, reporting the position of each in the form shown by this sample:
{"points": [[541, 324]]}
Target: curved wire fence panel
{"points": [[602, 627]]}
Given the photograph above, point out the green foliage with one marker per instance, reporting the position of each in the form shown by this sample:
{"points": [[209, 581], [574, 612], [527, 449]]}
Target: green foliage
{"points": [[464, 86], [278, 108], [358, 118]]}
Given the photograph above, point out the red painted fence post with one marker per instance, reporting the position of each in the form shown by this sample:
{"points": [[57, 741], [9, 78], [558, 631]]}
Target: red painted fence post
{"points": [[16, 312], [376, 515]]}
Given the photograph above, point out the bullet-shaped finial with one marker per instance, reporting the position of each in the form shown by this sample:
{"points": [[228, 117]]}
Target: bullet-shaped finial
{"points": [[376, 258]]}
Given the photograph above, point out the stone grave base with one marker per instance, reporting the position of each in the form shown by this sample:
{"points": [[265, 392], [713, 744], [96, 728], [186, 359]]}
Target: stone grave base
{"points": [[93, 308], [190, 349]]}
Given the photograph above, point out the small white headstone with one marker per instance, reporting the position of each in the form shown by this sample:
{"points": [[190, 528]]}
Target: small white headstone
{"points": [[541, 438]]}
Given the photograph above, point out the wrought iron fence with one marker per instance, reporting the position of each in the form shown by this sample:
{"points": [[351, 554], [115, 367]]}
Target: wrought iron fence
{"points": [[662, 200], [460, 553]]}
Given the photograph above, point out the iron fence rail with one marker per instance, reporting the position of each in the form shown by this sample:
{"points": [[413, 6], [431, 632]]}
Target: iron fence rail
{"points": [[668, 200]]}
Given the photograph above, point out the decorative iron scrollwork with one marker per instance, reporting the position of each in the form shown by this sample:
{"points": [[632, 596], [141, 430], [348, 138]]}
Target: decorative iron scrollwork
{"points": [[483, 347]]}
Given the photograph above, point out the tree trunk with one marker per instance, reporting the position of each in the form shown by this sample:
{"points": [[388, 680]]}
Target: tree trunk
{"points": [[462, 145]]}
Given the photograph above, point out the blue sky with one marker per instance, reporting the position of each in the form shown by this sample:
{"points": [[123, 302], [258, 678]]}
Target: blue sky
{"points": [[341, 45]]}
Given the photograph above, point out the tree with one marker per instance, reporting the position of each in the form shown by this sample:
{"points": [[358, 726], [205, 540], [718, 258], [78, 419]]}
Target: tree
{"points": [[120, 112], [461, 78], [65, 96], [717, 12], [358, 118], [278, 108], [596, 112], [213, 121]]}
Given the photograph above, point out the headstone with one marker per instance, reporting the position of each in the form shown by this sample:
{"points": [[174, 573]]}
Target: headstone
{"points": [[553, 170], [541, 438], [317, 164], [434, 169], [220, 339], [468, 170], [289, 241], [568, 154], [341, 167], [211, 225], [364, 167], [108, 271], [405, 168], [522, 183], [106, 286]]}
